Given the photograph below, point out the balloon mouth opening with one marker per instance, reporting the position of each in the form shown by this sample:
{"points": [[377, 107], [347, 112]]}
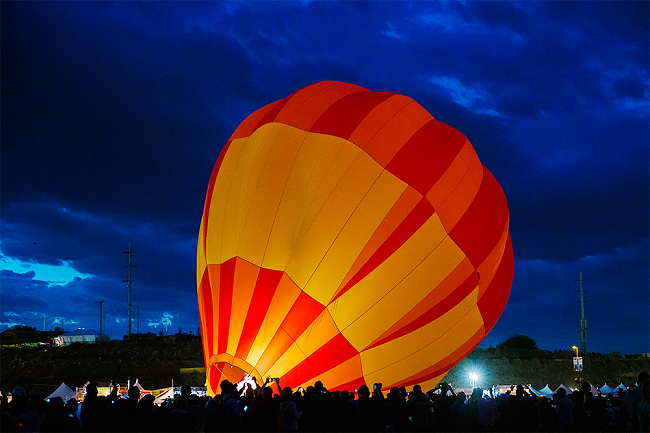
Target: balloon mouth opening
{"points": [[229, 372]]}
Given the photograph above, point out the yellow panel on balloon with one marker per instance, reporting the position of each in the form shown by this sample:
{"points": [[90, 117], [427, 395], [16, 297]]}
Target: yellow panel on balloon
{"points": [[430, 354], [332, 216], [407, 294], [200, 257], [362, 296], [245, 279], [259, 219], [334, 162], [376, 358], [219, 202], [297, 196], [354, 236]]}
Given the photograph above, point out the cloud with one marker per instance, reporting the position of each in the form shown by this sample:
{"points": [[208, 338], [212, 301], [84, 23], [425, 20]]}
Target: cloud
{"points": [[62, 273], [474, 98], [164, 321]]}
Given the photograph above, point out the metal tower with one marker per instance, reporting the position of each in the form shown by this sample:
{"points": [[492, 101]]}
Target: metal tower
{"points": [[129, 280], [101, 304], [582, 333]]}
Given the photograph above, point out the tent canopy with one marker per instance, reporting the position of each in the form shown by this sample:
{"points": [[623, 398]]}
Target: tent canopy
{"points": [[64, 392], [568, 390], [546, 391]]}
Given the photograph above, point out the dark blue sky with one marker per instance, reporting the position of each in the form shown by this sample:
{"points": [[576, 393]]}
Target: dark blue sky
{"points": [[113, 115]]}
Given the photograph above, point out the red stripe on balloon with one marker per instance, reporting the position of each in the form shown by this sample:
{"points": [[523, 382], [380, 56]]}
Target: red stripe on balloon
{"points": [[418, 149], [331, 354], [206, 295], [359, 112], [442, 307], [265, 287], [494, 300], [330, 119], [343, 117], [270, 116], [475, 220], [491, 236], [438, 163], [413, 221], [226, 282], [302, 314]]}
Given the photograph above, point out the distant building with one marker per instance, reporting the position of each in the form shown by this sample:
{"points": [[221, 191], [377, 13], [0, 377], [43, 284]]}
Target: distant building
{"points": [[81, 335], [28, 335]]}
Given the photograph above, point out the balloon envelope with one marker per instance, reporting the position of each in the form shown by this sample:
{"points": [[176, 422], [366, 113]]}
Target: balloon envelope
{"points": [[349, 237]]}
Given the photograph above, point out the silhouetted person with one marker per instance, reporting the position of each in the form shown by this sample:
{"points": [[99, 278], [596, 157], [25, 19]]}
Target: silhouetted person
{"points": [[458, 412], [633, 397], [548, 421], [419, 407], [289, 411], [564, 407]]}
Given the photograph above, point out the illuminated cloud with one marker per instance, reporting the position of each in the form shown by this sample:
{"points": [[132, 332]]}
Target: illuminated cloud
{"points": [[472, 97], [60, 274]]}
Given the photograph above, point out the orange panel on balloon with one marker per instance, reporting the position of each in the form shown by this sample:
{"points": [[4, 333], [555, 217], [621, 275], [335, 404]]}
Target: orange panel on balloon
{"points": [[342, 228]]}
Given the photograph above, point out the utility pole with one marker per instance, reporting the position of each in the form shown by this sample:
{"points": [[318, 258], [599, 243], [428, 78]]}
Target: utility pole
{"points": [[138, 322], [583, 322], [101, 305], [129, 280]]}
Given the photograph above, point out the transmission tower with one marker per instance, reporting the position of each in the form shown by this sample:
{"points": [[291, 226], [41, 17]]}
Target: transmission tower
{"points": [[582, 333], [101, 304], [129, 280]]}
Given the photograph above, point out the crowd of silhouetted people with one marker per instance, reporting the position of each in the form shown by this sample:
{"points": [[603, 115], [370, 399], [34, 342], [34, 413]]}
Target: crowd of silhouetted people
{"points": [[316, 409]]}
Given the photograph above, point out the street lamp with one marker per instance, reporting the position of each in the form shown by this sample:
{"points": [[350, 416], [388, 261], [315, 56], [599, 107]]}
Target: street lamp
{"points": [[576, 349]]}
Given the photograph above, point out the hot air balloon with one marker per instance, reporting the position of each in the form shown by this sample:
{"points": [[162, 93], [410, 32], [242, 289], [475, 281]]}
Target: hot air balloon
{"points": [[348, 237]]}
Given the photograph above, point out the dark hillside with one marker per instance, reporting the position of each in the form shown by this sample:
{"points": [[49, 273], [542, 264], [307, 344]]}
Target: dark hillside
{"points": [[156, 361]]}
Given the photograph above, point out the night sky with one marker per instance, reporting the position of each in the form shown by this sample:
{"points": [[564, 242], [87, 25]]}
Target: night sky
{"points": [[114, 114]]}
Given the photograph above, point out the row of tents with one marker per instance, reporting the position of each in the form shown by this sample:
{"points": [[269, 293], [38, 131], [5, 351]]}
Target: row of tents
{"points": [[66, 393], [603, 390]]}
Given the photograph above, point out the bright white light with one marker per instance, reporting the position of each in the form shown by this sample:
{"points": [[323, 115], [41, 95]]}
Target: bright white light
{"points": [[247, 379]]}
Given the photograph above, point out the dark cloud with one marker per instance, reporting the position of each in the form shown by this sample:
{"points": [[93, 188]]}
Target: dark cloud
{"points": [[115, 113]]}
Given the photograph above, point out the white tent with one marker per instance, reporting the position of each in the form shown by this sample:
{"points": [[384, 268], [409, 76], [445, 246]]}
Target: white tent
{"points": [[621, 386], [568, 391], [64, 392], [546, 391], [537, 392], [137, 383], [604, 390], [81, 335], [168, 393]]}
